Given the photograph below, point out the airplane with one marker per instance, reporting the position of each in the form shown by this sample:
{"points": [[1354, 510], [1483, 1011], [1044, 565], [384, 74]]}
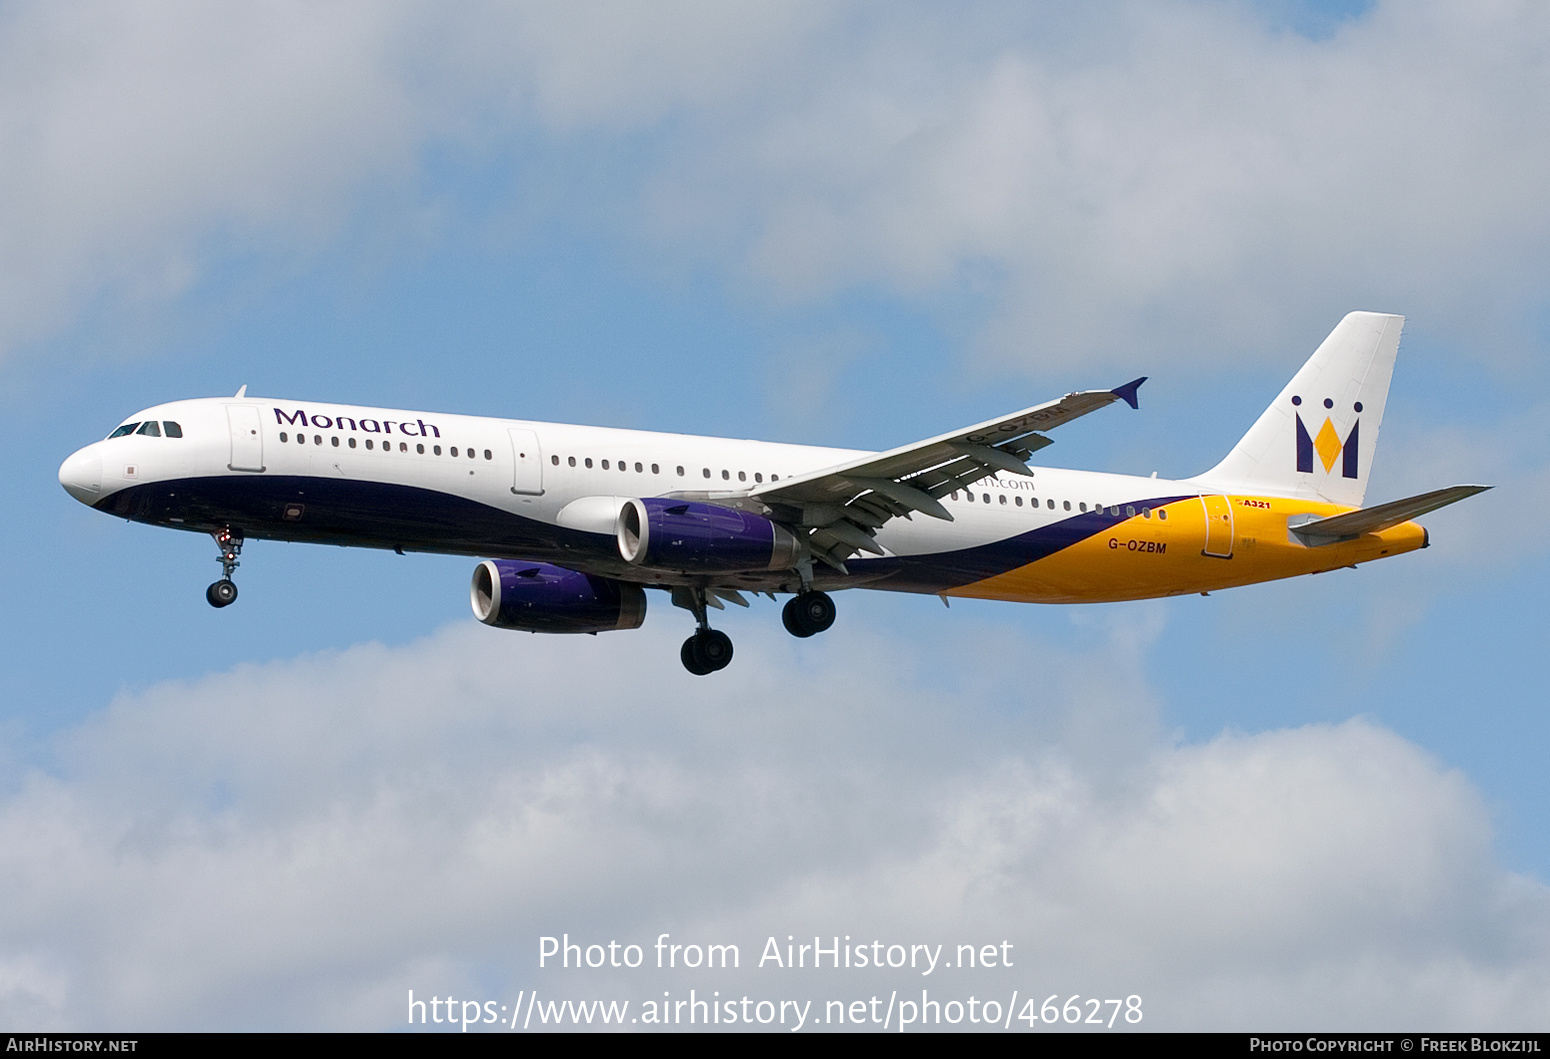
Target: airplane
{"points": [[573, 523]]}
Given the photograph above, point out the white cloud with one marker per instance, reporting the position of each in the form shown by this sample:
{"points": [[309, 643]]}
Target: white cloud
{"points": [[1199, 184], [133, 134], [298, 844], [143, 144], [1173, 178]]}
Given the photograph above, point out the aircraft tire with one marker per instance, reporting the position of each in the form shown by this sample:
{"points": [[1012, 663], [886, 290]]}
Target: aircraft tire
{"points": [[792, 620], [808, 614], [690, 657], [707, 651], [222, 594], [715, 648]]}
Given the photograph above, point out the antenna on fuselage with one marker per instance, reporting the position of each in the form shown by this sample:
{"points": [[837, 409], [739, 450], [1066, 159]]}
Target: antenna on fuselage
{"points": [[242, 391]]}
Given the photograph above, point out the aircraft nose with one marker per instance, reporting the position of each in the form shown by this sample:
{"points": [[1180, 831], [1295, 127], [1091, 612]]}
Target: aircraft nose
{"points": [[81, 475]]}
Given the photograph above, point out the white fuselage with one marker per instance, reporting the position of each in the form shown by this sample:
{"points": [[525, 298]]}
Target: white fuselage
{"points": [[279, 469]]}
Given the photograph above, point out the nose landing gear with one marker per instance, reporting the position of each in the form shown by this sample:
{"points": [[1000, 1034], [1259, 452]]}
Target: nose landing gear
{"points": [[224, 592]]}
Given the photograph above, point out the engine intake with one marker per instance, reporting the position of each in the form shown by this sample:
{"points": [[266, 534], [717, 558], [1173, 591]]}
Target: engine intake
{"points": [[539, 597], [702, 538]]}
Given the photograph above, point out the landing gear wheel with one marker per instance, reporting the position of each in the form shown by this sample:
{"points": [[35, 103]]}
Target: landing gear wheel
{"points": [[706, 651], [807, 614], [222, 594], [691, 658]]}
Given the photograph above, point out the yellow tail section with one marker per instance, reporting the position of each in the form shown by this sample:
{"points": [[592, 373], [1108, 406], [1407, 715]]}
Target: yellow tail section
{"points": [[1196, 545]]}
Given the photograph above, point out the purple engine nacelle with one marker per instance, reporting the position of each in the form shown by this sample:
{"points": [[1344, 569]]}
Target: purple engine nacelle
{"points": [[702, 538], [538, 597]]}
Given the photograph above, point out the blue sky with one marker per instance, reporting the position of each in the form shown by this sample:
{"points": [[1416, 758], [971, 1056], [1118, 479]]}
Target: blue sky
{"points": [[840, 224]]}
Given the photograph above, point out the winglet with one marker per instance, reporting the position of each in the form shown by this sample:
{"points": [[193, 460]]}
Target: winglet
{"points": [[1127, 392], [242, 392]]}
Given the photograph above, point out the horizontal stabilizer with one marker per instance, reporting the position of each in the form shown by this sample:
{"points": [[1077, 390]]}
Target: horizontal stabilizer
{"points": [[1382, 517]]}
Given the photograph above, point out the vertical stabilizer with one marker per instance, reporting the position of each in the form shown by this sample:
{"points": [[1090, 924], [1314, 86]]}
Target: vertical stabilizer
{"points": [[1317, 439]]}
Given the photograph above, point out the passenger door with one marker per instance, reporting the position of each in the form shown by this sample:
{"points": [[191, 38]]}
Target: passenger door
{"points": [[247, 438], [527, 463]]}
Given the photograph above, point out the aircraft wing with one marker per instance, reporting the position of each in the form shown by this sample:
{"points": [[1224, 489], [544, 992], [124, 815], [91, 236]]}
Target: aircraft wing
{"points": [[841, 507]]}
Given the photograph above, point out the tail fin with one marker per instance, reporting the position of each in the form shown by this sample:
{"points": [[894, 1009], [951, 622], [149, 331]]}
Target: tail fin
{"points": [[1316, 441]]}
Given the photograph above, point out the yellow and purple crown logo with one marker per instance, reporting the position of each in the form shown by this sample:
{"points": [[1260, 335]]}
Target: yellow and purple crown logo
{"points": [[1327, 444]]}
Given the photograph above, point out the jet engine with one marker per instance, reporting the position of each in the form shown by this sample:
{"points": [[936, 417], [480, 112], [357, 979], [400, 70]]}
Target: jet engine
{"points": [[702, 538], [538, 597]]}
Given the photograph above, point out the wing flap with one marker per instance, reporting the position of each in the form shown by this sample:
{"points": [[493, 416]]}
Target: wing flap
{"points": [[949, 460], [841, 506]]}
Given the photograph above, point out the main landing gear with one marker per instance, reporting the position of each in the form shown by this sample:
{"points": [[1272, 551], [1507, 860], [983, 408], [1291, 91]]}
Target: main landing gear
{"points": [[224, 592], [810, 613], [708, 650]]}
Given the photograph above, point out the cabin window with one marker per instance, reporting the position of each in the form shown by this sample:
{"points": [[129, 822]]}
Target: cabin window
{"points": [[284, 436], [1003, 499], [774, 477], [605, 465], [172, 429], [454, 451], [352, 443], [1130, 511], [707, 472], [680, 472], [726, 476], [127, 428], [758, 476], [1146, 512], [1083, 505], [368, 443], [1067, 504], [639, 468], [986, 496], [420, 449], [150, 428], [317, 439], [335, 440], [742, 476], [489, 455], [1019, 501], [1162, 514], [587, 461], [624, 466], [554, 460], [655, 469], [1050, 504]]}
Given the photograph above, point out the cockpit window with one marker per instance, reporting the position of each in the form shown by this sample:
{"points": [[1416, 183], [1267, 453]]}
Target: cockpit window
{"points": [[172, 429], [150, 428], [127, 428]]}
